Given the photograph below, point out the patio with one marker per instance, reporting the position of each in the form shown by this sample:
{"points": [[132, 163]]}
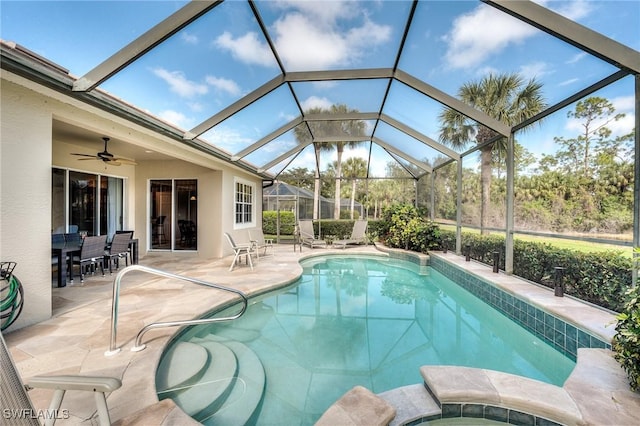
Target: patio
{"points": [[75, 338]]}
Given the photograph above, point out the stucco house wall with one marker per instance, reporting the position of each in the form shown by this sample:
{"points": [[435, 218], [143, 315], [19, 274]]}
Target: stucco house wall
{"points": [[28, 151]]}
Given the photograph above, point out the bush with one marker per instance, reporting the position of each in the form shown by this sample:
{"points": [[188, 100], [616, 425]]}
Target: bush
{"points": [[270, 220], [599, 278], [403, 227], [626, 341]]}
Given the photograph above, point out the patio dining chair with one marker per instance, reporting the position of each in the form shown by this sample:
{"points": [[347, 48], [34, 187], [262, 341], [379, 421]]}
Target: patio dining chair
{"points": [[17, 408], [119, 250], [91, 256], [308, 236], [240, 249]]}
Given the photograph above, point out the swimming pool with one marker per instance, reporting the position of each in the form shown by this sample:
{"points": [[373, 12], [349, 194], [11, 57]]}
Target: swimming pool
{"points": [[352, 320]]}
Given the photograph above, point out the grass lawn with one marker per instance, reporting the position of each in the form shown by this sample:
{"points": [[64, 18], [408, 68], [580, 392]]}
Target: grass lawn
{"points": [[577, 245]]}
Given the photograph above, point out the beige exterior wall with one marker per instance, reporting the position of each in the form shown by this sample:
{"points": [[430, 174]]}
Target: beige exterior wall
{"points": [[28, 152], [25, 196]]}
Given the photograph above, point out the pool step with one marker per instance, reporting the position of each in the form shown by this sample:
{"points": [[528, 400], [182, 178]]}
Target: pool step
{"points": [[204, 392], [214, 386], [188, 362], [248, 388]]}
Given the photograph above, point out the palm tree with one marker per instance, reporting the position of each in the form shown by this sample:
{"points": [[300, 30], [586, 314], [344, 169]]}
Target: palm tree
{"points": [[344, 128], [302, 135], [354, 168], [504, 97]]}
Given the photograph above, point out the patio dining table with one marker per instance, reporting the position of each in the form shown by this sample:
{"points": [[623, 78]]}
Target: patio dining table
{"points": [[63, 249]]}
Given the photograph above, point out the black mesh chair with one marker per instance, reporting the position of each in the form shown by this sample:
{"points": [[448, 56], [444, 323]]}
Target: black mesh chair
{"points": [[91, 255], [72, 237], [158, 229], [119, 250]]}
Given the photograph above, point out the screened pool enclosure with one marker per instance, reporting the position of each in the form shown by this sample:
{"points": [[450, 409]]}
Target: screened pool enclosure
{"points": [[513, 116]]}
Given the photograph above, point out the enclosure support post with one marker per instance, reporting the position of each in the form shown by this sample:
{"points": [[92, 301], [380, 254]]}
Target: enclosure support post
{"points": [[636, 184], [459, 209], [278, 212], [508, 240], [432, 200]]}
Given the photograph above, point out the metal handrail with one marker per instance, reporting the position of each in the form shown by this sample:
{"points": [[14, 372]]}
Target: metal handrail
{"points": [[138, 346]]}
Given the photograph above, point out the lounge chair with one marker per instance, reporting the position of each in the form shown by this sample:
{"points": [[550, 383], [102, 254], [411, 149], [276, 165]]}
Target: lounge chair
{"points": [[260, 242], [358, 235], [240, 249], [17, 406], [308, 236]]}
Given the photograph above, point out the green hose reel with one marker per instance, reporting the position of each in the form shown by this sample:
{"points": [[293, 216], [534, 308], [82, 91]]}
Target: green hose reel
{"points": [[11, 295]]}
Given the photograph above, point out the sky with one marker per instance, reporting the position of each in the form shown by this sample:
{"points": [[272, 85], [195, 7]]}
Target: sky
{"points": [[223, 56]]}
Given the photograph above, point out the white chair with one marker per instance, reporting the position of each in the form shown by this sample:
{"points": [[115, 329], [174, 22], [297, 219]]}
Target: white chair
{"points": [[15, 400], [260, 242], [308, 236], [358, 235], [241, 249]]}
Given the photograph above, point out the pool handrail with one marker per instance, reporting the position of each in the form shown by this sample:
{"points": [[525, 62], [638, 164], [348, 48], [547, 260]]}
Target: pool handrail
{"points": [[138, 346]]}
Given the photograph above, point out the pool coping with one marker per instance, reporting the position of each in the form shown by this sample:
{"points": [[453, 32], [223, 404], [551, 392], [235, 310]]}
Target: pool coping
{"points": [[566, 323]]}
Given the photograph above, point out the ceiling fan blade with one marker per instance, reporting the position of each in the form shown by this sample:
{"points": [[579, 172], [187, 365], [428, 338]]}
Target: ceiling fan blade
{"points": [[90, 159], [106, 157], [125, 161]]}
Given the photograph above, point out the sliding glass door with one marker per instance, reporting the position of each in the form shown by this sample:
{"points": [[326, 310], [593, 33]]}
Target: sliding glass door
{"points": [[160, 223], [173, 221], [82, 203], [86, 203]]}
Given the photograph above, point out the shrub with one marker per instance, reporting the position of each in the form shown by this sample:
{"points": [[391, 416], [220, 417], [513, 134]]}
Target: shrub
{"points": [[270, 220], [626, 341], [403, 227], [599, 278]]}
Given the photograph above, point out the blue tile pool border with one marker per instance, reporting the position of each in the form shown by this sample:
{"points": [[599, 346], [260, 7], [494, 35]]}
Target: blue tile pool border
{"points": [[564, 337]]}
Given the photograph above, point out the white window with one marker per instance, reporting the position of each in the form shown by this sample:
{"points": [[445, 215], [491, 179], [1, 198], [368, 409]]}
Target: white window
{"points": [[244, 203]]}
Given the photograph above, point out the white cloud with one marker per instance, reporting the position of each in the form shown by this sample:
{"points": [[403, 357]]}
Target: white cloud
{"points": [[568, 82], [196, 106], [303, 44], [189, 38], [179, 84], [574, 10], [484, 71], [176, 118], [326, 13], [576, 58], [470, 42], [223, 85], [227, 138], [310, 35], [534, 70], [622, 105], [248, 48], [313, 36], [315, 102]]}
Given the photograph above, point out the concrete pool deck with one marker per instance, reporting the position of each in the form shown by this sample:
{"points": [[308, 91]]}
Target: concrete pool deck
{"points": [[75, 339]]}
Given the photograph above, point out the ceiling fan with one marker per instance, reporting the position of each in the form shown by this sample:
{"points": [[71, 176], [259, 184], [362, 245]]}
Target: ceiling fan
{"points": [[106, 156]]}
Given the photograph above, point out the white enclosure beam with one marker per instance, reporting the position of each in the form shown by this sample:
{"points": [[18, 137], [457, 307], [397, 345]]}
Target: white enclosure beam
{"points": [[571, 32], [147, 41]]}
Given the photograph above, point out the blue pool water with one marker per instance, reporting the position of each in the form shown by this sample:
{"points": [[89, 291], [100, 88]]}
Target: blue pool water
{"points": [[374, 322]]}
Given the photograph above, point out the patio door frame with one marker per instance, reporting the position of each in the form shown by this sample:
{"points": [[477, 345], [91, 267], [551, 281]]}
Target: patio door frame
{"points": [[174, 214]]}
